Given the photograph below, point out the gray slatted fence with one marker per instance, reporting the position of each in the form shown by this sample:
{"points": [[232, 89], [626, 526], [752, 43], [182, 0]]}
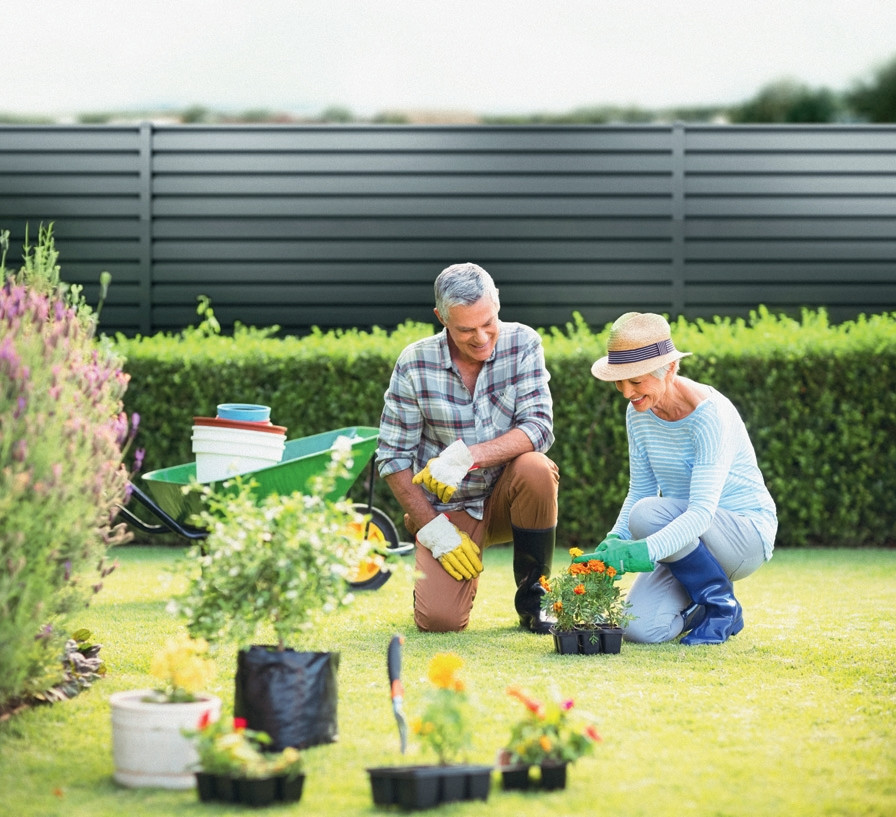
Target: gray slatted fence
{"points": [[348, 226]]}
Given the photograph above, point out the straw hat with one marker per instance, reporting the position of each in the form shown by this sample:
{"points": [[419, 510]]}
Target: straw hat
{"points": [[639, 343]]}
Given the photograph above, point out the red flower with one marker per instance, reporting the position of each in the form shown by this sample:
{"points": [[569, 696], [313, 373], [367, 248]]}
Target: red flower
{"points": [[591, 733], [239, 724], [205, 718]]}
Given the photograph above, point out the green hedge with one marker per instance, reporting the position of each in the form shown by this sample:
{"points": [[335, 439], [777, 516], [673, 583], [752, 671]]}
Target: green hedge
{"points": [[817, 399]]}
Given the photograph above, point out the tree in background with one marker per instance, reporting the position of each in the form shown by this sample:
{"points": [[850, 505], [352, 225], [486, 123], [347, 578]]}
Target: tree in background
{"points": [[875, 101], [788, 101]]}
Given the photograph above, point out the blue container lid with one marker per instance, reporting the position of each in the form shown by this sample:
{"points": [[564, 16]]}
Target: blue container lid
{"points": [[244, 412]]}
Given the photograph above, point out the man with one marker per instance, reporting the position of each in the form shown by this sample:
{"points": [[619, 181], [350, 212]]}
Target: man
{"points": [[467, 421]]}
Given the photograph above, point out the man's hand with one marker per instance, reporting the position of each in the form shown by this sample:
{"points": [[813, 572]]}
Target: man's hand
{"points": [[624, 555], [442, 474], [454, 549]]}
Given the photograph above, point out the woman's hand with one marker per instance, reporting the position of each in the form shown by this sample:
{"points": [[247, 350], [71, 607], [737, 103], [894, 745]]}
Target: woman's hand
{"points": [[623, 555]]}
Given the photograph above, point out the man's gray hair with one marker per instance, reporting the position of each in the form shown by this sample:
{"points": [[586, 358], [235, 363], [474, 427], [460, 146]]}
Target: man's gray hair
{"points": [[463, 284]]}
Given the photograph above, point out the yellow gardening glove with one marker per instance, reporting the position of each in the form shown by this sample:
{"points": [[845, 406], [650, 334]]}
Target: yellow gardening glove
{"points": [[442, 474], [454, 549]]}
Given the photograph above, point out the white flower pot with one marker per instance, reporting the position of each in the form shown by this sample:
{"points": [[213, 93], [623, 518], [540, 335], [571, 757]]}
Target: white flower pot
{"points": [[147, 744], [223, 451]]}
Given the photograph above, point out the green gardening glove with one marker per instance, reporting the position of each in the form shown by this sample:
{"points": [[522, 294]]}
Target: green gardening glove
{"points": [[623, 555], [587, 557]]}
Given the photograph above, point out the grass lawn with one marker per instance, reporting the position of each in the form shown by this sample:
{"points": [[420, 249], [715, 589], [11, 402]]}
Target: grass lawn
{"points": [[794, 716]]}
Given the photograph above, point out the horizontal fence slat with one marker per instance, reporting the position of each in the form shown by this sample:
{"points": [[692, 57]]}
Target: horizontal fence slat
{"points": [[412, 227], [240, 250], [782, 227], [412, 140], [392, 206], [545, 162], [100, 184], [398, 273], [794, 292], [820, 250], [415, 185], [792, 185], [845, 273]]}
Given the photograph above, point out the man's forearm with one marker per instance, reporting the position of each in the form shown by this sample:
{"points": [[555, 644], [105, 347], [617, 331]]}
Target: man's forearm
{"points": [[502, 449], [412, 498]]}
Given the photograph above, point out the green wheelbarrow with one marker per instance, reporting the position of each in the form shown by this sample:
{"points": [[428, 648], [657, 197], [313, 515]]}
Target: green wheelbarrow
{"points": [[303, 459]]}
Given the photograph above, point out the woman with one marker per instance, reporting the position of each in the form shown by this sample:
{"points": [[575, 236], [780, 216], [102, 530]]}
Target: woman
{"points": [[697, 515]]}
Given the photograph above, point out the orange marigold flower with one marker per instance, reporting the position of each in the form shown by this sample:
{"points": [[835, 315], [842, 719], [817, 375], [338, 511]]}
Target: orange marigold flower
{"points": [[544, 583], [558, 606], [442, 669], [611, 571], [578, 568], [545, 743], [579, 590], [530, 703], [596, 566]]}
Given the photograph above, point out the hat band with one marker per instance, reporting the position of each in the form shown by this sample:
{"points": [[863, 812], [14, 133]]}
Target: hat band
{"points": [[658, 349]]}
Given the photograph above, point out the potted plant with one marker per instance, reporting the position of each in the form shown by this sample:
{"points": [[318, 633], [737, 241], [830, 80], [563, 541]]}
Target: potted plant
{"points": [[443, 729], [235, 766], [148, 746], [545, 737], [588, 606], [281, 563]]}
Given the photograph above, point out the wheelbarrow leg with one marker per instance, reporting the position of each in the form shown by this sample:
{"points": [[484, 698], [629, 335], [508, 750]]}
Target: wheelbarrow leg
{"points": [[169, 524]]}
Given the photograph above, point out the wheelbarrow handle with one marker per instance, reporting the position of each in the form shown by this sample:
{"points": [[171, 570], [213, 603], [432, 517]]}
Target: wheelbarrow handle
{"points": [[169, 523]]}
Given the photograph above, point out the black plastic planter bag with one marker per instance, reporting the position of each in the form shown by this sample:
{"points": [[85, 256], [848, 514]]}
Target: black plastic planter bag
{"points": [[290, 695]]}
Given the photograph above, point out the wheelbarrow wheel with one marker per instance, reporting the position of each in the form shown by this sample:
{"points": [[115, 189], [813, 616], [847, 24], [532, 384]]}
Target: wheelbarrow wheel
{"points": [[372, 573]]}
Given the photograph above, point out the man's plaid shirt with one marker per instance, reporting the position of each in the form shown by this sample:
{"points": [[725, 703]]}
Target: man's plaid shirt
{"points": [[427, 407]]}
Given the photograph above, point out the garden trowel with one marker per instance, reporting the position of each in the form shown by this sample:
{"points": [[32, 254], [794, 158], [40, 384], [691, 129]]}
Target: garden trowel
{"points": [[397, 688]]}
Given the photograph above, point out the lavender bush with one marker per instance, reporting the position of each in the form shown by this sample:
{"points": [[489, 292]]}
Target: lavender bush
{"points": [[62, 440]]}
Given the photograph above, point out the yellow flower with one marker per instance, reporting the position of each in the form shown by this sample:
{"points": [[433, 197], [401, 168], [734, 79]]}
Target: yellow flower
{"points": [[576, 552], [422, 727], [183, 667], [442, 669]]}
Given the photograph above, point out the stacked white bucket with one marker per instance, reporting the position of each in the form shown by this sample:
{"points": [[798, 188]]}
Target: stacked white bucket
{"points": [[239, 440]]}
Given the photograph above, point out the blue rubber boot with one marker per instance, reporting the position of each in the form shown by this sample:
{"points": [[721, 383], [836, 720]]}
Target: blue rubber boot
{"points": [[708, 585]]}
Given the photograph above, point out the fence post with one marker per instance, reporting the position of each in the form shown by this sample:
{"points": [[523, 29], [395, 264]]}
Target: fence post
{"points": [[144, 264], [677, 299]]}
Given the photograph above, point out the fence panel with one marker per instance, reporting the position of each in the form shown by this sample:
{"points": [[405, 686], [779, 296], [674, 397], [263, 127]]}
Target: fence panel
{"points": [[348, 226]]}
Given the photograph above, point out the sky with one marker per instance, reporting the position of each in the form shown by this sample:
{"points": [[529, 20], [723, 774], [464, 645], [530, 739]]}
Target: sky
{"points": [[482, 56]]}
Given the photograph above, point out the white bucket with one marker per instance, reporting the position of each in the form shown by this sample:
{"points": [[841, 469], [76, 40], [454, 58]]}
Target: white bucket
{"points": [[148, 746], [222, 453]]}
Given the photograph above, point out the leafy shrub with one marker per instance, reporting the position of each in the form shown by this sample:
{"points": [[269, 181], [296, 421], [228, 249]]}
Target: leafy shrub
{"points": [[62, 431], [816, 399]]}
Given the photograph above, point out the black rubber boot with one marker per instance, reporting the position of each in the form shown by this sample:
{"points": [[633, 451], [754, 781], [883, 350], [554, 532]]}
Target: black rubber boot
{"points": [[533, 552], [707, 584]]}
